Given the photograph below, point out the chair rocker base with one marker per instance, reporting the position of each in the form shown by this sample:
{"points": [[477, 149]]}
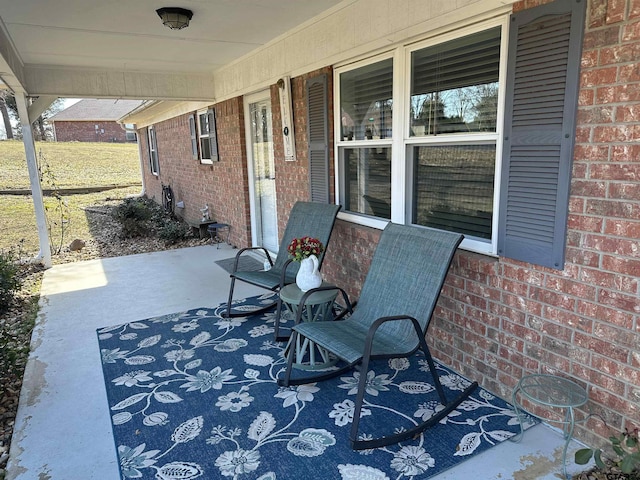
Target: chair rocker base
{"points": [[414, 432], [287, 382]]}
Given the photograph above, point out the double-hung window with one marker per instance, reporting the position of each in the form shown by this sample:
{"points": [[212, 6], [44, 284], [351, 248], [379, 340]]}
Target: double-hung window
{"points": [[153, 151], [440, 161], [208, 142], [451, 147]]}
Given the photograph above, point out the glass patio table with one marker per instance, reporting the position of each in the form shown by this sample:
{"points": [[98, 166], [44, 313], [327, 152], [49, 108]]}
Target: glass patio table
{"points": [[558, 398], [317, 307]]}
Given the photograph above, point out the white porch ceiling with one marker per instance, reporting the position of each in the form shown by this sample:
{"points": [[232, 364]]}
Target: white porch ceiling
{"points": [[96, 46]]}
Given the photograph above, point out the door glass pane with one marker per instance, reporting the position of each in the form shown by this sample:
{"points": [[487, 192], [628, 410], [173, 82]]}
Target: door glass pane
{"points": [[366, 101], [264, 175], [453, 188], [454, 85], [368, 180]]}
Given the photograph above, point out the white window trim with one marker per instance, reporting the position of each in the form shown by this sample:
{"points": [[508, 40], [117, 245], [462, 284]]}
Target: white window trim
{"points": [[199, 137], [153, 147], [340, 143], [400, 141]]}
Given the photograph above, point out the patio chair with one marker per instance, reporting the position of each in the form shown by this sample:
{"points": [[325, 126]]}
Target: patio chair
{"points": [[306, 218], [390, 319]]}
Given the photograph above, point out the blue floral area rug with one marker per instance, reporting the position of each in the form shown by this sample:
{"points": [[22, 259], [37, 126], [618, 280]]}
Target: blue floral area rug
{"points": [[194, 395]]}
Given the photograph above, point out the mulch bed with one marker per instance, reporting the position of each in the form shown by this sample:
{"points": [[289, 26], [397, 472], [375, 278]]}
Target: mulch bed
{"points": [[17, 322]]}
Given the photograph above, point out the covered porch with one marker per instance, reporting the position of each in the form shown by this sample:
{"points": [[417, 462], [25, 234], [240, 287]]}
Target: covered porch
{"points": [[63, 428], [505, 315]]}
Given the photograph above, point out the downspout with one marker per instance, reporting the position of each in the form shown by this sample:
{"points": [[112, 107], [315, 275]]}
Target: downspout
{"points": [[122, 121], [44, 256], [133, 130], [144, 186]]}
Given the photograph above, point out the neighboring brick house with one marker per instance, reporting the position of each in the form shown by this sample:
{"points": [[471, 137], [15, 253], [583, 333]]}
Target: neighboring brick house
{"points": [[93, 120], [549, 199]]}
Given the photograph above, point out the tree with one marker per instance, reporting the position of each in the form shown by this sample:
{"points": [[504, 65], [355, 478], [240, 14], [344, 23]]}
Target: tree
{"points": [[41, 130], [486, 107], [8, 128], [431, 113]]}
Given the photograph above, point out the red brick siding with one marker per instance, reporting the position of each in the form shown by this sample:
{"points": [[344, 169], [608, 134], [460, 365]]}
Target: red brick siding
{"points": [[222, 185], [232, 186], [86, 131]]}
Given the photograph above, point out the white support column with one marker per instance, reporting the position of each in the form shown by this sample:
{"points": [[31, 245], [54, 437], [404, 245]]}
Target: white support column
{"points": [[44, 256]]}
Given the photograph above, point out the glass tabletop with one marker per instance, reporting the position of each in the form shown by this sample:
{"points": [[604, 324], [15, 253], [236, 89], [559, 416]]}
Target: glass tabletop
{"points": [[553, 391], [292, 295]]}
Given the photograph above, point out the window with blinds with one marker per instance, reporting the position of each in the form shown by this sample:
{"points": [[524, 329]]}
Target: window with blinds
{"points": [[453, 188], [467, 142], [454, 91], [364, 146], [366, 101], [454, 85]]}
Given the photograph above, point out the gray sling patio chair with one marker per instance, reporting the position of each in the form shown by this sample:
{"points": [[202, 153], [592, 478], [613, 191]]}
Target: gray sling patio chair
{"points": [[390, 319], [306, 219]]}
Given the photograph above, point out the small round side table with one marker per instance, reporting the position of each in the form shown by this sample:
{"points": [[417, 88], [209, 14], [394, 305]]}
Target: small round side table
{"points": [[551, 392], [318, 307]]}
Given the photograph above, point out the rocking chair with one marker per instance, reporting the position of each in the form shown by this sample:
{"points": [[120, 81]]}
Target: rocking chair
{"points": [[390, 320], [306, 219]]}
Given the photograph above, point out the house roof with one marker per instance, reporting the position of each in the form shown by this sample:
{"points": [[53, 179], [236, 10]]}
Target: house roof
{"points": [[96, 109]]}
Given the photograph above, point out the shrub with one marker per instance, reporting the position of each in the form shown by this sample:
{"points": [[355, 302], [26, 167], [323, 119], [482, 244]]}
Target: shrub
{"points": [[9, 280], [626, 453], [173, 231], [134, 215]]}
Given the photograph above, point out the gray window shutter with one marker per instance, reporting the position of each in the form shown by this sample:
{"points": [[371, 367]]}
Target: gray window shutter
{"points": [[318, 138], [545, 45]]}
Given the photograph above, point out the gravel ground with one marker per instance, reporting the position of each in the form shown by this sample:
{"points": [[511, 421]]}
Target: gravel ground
{"points": [[17, 323]]}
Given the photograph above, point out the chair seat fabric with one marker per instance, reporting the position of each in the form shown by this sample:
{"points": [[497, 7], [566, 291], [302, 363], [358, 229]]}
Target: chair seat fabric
{"points": [[269, 280], [346, 339]]}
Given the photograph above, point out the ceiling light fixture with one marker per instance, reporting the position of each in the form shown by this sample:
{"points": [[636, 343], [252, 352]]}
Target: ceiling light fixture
{"points": [[175, 18]]}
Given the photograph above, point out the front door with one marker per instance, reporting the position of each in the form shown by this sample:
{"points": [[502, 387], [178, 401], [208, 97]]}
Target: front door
{"points": [[262, 173]]}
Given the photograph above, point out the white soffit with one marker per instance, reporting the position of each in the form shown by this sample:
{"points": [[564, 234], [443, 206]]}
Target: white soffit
{"points": [[124, 36]]}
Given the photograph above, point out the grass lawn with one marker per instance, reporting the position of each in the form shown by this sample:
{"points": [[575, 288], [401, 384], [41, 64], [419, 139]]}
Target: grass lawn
{"points": [[72, 164], [65, 165]]}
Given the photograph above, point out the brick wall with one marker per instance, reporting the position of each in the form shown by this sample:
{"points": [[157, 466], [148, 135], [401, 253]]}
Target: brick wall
{"points": [[499, 319], [87, 132], [232, 186], [222, 185]]}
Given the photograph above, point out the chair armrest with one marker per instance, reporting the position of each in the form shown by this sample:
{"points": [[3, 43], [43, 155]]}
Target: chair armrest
{"points": [[378, 323], [283, 272], [242, 250]]}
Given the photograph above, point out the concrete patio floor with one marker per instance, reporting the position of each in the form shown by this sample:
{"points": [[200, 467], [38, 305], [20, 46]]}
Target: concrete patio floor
{"points": [[63, 428]]}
